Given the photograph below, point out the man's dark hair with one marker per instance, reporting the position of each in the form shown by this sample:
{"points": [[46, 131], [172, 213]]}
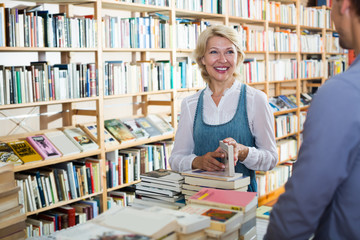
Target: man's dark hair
{"points": [[356, 5]]}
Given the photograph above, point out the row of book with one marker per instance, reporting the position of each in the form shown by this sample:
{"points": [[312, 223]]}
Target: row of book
{"points": [[254, 9], [12, 219], [122, 77], [41, 81], [30, 27], [287, 149], [273, 179], [127, 165], [137, 32], [161, 3], [60, 218], [282, 13], [282, 69], [335, 65], [286, 124], [45, 146], [284, 102], [211, 6], [61, 182], [315, 17], [189, 30]]}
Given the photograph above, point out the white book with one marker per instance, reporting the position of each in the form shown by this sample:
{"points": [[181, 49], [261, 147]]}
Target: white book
{"points": [[160, 123], [62, 142], [129, 219], [188, 223], [80, 139]]}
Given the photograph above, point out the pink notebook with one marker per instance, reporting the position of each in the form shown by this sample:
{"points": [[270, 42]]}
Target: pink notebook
{"points": [[43, 146]]}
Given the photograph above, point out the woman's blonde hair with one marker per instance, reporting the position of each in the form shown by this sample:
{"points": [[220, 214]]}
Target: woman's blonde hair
{"points": [[221, 31]]}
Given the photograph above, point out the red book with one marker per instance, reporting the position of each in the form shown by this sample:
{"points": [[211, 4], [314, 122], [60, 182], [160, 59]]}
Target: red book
{"points": [[89, 166], [49, 217], [229, 199], [43, 146], [70, 211]]}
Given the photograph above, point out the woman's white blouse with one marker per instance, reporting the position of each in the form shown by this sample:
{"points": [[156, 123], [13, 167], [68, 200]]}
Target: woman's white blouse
{"points": [[261, 121]]}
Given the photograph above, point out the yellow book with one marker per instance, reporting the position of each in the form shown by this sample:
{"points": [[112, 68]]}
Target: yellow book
{"points": [[25, 151]]}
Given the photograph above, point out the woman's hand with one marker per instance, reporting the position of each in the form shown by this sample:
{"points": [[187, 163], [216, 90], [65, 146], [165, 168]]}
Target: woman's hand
{"points": [[240, 151], [208, 161]]}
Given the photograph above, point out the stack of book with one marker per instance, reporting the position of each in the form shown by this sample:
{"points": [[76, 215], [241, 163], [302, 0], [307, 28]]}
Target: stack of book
{"points": [[233, 204], [196, 179], [262, 220], [12, 216], [160, 188]]}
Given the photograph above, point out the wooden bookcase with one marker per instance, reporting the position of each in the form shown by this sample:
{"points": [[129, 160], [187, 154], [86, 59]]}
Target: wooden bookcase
{"points": [[69, 112]]}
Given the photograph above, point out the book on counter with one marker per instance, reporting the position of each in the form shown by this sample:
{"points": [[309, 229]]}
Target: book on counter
{"points": [[237, 183], [161, 175], [43, 146], [189, 223], [227, 199], [221, 219], [80, 139], [25, 151], [7, 155], [118, 129], [91, 130], [153, 225], [62, 142]]}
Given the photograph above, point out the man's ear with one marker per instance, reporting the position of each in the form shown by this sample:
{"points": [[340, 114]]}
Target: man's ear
{"points": [[345, 6]]}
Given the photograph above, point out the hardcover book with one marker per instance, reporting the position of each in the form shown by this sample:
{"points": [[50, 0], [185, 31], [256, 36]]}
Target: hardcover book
{"points": [[239, 182], [136, 129], [148, 126], [62, 142], [91, 130], [188, 223], [43, 146], [80, 139], [25, 151], [228, 199], [160, 123], [8, 155], [118, 129], [228, 174], [221, 219], [163, 175], [155, 226]]}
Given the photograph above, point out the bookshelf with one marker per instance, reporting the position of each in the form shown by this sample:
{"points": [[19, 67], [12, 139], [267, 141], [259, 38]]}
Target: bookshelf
{"points": [[54, 114]]}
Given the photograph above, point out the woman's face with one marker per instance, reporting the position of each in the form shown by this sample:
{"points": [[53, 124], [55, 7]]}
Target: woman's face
{"points": [[220, 59]]}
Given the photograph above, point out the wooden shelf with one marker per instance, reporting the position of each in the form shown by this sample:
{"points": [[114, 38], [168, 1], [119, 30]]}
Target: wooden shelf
{"points": [[45, 103], [46, 49], [132, 7]]}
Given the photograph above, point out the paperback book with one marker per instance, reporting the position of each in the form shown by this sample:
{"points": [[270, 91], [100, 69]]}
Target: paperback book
{"points": [[8, 155], [136, 129], [80, 139], [25, 151], [43, 146], [91, 130], [118, 129], [160, 123], [148, 126], [63, 143]]}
